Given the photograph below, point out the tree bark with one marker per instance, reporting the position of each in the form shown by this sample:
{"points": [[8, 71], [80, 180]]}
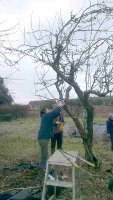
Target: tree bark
{"points": [[86, 135], [88, 140], [89, 154]]}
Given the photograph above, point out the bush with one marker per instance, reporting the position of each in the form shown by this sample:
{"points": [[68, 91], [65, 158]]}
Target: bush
{"points": [[9, 112], [96, 101], [102, 100], [7, 117]]}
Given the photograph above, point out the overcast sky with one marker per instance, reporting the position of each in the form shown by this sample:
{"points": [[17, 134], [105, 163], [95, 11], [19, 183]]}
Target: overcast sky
{"points": [[21, 80]]}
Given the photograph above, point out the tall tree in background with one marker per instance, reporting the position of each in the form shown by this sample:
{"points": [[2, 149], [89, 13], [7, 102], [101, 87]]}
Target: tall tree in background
{"points": [[79, 49], [5, 97], [6, 59]]}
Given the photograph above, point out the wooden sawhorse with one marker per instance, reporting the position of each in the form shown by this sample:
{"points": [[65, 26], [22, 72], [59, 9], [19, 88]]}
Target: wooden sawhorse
{"points": [[58, 159]]}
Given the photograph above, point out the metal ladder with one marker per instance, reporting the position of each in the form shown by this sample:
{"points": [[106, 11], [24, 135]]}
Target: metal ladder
{"points": [[57, 159]]}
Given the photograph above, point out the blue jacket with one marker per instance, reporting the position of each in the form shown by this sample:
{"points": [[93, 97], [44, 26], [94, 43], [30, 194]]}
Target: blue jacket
{"points": [[109, 125], [46, 127]]}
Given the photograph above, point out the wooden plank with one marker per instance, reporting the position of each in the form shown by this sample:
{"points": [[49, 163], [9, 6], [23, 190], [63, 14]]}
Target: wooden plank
{"points": [[60, 183], [58, 159], [52, 197], [67, 164], [44, 186], [74, 185]]}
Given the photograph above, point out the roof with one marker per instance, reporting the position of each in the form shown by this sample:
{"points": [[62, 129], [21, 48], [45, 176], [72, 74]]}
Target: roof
{"points": [[41, 102]]}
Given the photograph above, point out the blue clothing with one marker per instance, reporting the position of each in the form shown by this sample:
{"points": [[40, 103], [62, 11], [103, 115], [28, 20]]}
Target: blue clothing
{"points": [[109, 125], [46, 128]]}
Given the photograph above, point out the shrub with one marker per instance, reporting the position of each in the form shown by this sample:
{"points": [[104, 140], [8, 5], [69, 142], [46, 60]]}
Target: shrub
{"points": [[9, 112], [7, 117]]}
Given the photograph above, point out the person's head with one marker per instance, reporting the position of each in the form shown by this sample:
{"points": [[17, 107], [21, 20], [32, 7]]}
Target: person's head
{"points": [[55, 106], [45, 110], [111, 116]]}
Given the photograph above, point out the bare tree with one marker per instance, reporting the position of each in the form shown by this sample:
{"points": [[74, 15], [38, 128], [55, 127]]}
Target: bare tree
{"points": [[6, 58], [79, 50]]}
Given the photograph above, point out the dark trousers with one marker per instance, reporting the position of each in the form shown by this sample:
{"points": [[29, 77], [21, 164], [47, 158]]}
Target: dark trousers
{"points": [[57, 138], [111, 137]]}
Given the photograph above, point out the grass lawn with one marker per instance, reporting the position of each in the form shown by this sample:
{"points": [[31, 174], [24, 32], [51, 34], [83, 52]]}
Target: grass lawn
{"points": [[18, 144], [100, 120], [97, 120]]}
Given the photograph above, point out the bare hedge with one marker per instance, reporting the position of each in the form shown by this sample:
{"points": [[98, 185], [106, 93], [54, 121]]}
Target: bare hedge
{"points": [[13, 112]]}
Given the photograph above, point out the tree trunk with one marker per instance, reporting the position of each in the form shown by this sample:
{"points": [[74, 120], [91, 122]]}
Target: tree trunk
{"points": [[86, 135], [89, 154], [88, 143], [88, 140]]}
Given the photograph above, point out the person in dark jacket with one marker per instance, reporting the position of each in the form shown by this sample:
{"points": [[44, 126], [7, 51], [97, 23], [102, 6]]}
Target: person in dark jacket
{"points": [[57, 133], [109, 125], [46, 131]]}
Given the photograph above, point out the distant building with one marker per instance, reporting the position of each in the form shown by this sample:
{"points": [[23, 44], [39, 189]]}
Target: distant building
{"points": [[77, 110], [37, 105]]}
